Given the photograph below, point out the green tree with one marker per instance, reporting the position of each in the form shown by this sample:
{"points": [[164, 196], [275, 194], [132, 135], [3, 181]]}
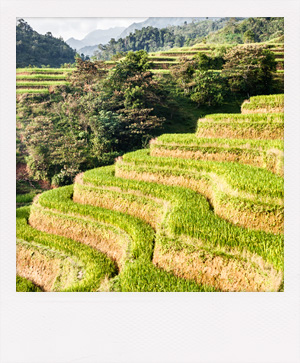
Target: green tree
{"points": [[249, 70], [87, 74], [36, 49], [249, 36], [209, 88], [183, 72]]}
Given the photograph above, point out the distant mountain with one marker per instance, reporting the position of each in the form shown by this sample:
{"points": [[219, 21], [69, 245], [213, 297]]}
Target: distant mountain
{"points": [[98, 36], [74, 43], [160, 23], [90, 42], [88, 50]]}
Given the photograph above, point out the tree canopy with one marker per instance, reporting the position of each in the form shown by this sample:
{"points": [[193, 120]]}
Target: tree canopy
{"points": [[40, 50]]}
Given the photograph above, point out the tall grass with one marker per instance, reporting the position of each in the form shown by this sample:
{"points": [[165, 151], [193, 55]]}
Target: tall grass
{"points": [[140, 250], [267, 103], [246, 195], [267, 154], [96, 265], [40, 83], [191, 215], [41, 77]]}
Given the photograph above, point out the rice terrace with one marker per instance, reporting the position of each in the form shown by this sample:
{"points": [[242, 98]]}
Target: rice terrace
{"points": [[154, 163]]}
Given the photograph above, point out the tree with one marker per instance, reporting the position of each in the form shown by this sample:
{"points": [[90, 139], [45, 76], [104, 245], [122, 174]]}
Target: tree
{"points": [[249, 69], [94, 119], [87, 74], [209, 88], [203, 61], [249, 36], [183, 73], [131, 91]]}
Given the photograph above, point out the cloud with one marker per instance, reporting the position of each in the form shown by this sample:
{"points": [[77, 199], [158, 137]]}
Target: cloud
{"points": [[77, 27]]}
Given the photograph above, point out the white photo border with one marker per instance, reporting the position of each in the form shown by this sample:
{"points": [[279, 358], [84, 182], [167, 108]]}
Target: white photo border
{"points": [[150, 327]]}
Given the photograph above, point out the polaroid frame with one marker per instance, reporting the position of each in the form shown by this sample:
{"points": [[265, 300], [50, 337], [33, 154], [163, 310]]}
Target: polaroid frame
{"points": [[150, 327]]}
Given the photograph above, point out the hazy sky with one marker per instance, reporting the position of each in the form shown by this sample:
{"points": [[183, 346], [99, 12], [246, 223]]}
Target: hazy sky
{"points": [[77, 27]]}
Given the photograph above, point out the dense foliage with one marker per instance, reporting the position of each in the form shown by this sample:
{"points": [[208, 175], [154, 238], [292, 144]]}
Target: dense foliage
{"points": [[86, 116], [40, 50], [246, 71], [95, 118], [249, 70], [251, 30]]}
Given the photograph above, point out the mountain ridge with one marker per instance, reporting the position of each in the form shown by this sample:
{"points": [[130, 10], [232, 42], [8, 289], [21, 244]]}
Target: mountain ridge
{"points": [[95, 37], [90, 42]]}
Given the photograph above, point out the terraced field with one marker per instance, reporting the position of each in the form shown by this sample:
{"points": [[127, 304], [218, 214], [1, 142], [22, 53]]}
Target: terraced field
{"points": [[39, 80], [165, 59], [195, 212]]}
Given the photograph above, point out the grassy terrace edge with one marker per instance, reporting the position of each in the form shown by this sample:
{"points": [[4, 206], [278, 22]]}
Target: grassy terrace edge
{"points": [[190, 228], [133, 275]]}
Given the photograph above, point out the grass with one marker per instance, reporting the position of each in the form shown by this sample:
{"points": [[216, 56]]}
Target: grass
{"points": [[271, 103], [31, 90], [44, 70], [251, 118], [192, 223], [25, 198], [158, 58], [25, 285], [39, 83], [96, 266], [261, 153], [140, 249], [182, 118], [160, 71], [242, 177], [131, 277], [41, 77], [240, 193], [251, 126], [189, 214], [187, 140], [139, 276]]}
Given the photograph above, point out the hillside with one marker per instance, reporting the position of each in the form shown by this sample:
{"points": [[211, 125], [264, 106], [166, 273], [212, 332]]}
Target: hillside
{"points": [[251, 30], [153, 39], [191, 214], [222, 31], [36, 80], [162, 22], [89, 44], [157, 171], [35, 49]]}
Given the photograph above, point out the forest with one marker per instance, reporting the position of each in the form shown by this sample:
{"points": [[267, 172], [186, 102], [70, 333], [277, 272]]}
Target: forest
{"points": [[34, 49], [101, 114]]}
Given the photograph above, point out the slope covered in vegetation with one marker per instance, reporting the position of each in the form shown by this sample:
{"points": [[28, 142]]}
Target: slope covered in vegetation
{"points": [[162, 223], [224, 30], [37, 50], [251, 30]]}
